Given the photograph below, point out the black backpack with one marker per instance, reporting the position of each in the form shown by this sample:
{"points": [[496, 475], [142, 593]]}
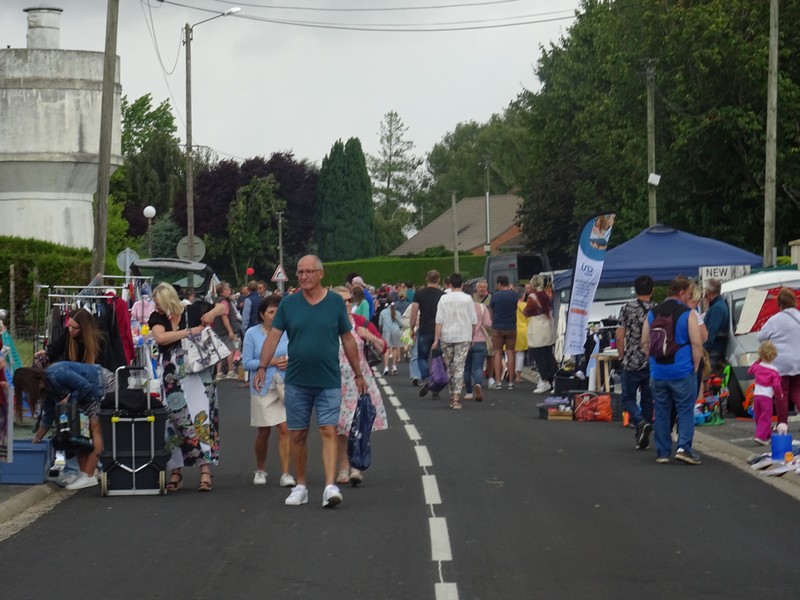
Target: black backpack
{"points": [[662, 331]]}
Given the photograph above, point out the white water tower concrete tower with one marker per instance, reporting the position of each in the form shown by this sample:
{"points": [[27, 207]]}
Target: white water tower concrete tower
{"points": [[50, 135]]}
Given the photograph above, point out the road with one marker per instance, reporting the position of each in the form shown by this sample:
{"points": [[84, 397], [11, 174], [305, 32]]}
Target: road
{"points": [[489, 502]]}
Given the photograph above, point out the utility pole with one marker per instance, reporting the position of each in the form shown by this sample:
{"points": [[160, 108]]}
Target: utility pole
{"points": [[187, 39], [455, 232], [772, 126], [487, 248], [106, 127], [651, 143], [280, 248]]}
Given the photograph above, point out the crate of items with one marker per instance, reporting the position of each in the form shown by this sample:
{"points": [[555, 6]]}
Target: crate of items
{"points": [[30, 465]]}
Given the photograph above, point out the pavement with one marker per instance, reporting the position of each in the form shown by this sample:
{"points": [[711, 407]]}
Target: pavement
{"points": [[731, 442]]}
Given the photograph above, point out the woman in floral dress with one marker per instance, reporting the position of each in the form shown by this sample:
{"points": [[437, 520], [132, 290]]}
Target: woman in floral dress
{"points": [[191, 398], [361, 330]]}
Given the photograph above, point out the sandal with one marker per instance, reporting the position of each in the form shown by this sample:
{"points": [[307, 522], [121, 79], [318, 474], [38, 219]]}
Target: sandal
{"points": [[343, 476], [205, 484], [175, 484], [455, 404]]}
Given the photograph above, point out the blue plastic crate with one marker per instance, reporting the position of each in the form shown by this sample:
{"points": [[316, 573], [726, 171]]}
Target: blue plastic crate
{"points": [[31, 463]]}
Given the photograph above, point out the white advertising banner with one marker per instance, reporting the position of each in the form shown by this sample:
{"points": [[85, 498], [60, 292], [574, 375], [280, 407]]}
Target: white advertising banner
{"points": [[592, 246]]}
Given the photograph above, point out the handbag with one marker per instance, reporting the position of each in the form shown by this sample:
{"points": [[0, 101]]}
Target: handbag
{"points": [[374, 358], [438, 379], [359, 445], [202, 350], [592, 407]]}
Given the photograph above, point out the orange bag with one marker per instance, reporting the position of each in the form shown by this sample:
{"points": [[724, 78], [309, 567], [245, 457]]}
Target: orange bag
{"points": [[592, 407]]}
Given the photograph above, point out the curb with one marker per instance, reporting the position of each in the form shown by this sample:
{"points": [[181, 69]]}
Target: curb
{"points": [[21, 502]]}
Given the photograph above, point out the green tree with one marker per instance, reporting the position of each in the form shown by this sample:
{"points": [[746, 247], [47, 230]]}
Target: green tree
{"points": [[393, 169], [344, 228], [140, 121]]}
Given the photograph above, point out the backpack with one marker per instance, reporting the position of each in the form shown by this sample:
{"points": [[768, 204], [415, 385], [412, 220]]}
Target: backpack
{"points": [[662, 331]]}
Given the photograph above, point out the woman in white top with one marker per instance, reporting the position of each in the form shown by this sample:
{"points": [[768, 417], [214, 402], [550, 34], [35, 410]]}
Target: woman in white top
{"points": [[455, 319], [783, 330]]}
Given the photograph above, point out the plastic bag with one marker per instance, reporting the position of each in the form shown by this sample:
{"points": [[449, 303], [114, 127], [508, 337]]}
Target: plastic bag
{"points": [[359, 446], [438, 379]]}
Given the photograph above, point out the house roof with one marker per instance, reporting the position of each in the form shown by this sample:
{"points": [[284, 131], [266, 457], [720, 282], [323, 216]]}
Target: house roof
{"points": [[471, 223]]}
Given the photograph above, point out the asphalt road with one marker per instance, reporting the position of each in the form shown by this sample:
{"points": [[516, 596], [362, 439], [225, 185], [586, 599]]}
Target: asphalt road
{"points": [[489, 502]]}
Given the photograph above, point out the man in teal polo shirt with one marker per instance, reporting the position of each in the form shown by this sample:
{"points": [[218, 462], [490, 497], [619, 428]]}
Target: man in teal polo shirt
{"points": [[314, 321]]}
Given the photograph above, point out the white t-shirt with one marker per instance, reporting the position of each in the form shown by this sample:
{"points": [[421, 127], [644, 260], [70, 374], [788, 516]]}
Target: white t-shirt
{"points": [[457, 317]]}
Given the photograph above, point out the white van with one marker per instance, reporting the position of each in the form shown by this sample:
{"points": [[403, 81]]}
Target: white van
{"points": [[742, 349]]}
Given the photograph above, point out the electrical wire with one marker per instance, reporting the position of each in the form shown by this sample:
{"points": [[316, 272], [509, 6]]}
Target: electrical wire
{"points": [[422, 28], [152, 31], [381, 9]]}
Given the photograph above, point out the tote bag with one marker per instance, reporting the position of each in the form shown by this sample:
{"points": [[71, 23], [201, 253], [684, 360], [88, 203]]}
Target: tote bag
{"points": [[203, 350]]}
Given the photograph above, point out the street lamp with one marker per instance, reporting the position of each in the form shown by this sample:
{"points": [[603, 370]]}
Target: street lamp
{"points": [[187, 40], [149, 212]]}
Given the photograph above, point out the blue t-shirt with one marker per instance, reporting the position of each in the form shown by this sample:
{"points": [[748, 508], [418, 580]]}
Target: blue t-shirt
{"points": [[683, 365], [504, 309], [313, 339]]}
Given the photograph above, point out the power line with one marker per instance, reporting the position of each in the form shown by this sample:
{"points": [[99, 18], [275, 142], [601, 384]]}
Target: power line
{"points": [[382, 9], [422, 28]]}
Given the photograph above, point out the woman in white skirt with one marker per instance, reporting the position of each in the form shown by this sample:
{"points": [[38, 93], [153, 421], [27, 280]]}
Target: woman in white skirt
{"points": [[267, 409]]}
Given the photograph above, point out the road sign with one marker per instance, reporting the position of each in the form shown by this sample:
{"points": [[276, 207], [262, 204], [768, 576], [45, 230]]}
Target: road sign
{"points": [[279, 274], [125, 258], [183, 248]]}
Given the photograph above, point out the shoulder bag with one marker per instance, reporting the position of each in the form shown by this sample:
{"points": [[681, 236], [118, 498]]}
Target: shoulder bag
{"points": [[202, 350]]}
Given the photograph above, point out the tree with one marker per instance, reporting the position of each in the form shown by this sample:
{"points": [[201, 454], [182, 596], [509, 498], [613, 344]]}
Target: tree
{"points": [[392, 170], [343, 221], [140, 121]]}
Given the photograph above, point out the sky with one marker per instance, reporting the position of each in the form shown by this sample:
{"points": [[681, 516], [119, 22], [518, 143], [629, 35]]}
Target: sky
{"points": [[260, 87]]}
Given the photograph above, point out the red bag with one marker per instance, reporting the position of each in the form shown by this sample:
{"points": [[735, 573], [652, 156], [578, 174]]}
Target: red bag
{"points": [[590, 406]]}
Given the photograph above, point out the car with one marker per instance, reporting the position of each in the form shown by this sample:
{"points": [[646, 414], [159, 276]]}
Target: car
{"points": [[742, 349], [180, 273]]}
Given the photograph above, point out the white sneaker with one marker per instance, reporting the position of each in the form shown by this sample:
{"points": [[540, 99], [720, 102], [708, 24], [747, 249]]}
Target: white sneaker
{"points": [[65, 479], [542, 387], [83, 481], [260, 478], [287, 480], [468, 396], [298, 496], [331, 496], [491, 381]]}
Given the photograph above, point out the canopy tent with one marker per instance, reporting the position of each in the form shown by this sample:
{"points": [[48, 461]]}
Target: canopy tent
{"points": [[663, 252]]}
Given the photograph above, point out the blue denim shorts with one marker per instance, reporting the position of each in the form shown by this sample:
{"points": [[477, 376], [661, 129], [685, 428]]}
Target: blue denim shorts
{"points": [[300, 400]]}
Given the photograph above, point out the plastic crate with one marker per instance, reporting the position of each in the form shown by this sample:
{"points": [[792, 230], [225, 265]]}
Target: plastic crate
{"points": [[31, 463]]}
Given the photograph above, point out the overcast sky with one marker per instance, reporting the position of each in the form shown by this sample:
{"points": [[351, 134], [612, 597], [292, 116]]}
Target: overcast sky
{"points": [[261, 87]]}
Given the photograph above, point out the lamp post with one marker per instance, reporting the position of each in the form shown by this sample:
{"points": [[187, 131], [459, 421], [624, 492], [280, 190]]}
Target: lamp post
{"points": [[149, 212], [187, 40]]}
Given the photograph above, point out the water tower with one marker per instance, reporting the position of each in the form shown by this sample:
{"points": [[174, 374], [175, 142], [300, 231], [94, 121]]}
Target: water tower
{"points": [[50, 135]]}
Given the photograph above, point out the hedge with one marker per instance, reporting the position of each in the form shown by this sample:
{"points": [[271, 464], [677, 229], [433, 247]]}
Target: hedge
{"points": [[376, 271]]}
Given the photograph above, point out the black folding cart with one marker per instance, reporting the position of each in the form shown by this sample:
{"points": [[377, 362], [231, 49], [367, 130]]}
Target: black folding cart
{"points": [[133, 423]]}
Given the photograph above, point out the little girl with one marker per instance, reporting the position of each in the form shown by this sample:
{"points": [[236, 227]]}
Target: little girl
{"points": [[767, 389]]}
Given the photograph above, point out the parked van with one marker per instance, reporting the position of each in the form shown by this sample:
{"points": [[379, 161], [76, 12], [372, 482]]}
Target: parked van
{"points": [[742, 349], [517, 267]]}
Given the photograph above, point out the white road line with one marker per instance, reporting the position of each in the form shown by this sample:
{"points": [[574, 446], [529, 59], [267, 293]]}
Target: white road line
{"points": [[440, 540], [431, 489], [402, 414], [413, 434], [423, 456], [446, 591], [394, 401], [388, 389]]}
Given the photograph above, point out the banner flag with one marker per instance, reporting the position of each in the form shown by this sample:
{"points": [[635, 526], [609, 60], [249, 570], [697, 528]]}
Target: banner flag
{"points": [[591, 255]]}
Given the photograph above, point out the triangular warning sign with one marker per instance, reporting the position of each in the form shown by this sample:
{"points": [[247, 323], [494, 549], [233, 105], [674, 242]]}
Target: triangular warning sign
{"points": [[279, 274]]}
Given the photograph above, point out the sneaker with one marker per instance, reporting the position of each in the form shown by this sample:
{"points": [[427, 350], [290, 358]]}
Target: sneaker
{"points": [[394, 370], [423, 390], [414, 381], [260, 478], [287, 480], [478, 393], [331, 496], [65, 479], [491, 382], [356, 477], [468, 397], [643, 431], [542, 387], [386, 370], [688, 457], [496, 386], [761, 442], [298, 496], [510, 386], [662, 460], [82, 481]]}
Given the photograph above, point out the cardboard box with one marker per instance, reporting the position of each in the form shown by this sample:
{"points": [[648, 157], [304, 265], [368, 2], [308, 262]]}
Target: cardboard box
{"points": [[31, 463]]}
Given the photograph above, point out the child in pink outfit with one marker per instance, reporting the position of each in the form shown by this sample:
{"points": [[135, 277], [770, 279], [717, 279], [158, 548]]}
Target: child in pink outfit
{"points": [[767, 389]]}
